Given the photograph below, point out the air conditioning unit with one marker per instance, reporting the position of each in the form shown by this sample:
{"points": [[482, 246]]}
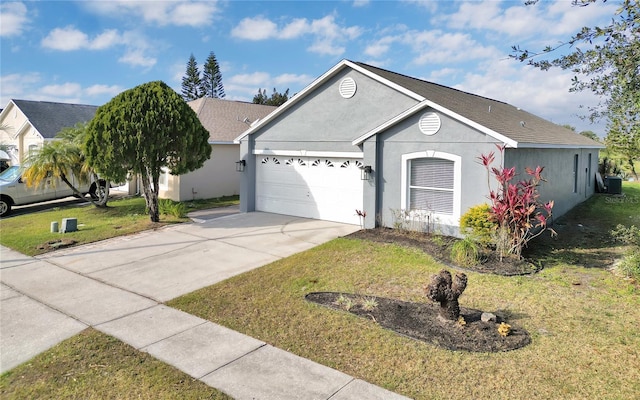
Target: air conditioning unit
{"points": [[614, 184]]}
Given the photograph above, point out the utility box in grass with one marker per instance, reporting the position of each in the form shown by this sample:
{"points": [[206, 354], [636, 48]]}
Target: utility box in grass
{"points": [[69, 225]]}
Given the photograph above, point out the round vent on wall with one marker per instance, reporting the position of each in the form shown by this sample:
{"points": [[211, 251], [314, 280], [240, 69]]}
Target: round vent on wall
{"points": [[429, 123], [347, 88]]}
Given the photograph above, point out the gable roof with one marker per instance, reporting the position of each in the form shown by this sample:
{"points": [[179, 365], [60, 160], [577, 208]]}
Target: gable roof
{"points": [[49, 118], [521, 127], [226, 119], [504, 122]]}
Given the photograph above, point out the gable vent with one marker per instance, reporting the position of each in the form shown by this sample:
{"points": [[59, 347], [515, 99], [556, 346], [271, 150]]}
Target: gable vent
{"points": [[429, 123], [347, 88]]}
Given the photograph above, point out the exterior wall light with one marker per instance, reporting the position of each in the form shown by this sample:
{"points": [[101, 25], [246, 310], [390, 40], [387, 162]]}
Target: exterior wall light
{"points": [[240, 165], [366, 173]]}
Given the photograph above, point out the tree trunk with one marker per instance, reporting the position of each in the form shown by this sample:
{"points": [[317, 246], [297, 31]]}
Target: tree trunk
{"points": [[150, 195], [446, 291]]}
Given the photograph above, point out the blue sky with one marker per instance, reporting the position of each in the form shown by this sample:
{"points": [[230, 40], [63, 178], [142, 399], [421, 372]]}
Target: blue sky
{"points": [[89, 51]]}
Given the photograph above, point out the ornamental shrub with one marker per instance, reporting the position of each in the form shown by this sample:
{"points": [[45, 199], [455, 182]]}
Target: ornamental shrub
{"points": [[516, 207], [477, 224]]}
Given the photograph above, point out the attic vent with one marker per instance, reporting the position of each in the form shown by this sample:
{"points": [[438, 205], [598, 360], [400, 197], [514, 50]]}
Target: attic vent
{"points": [[429, 123], [347, 88]]}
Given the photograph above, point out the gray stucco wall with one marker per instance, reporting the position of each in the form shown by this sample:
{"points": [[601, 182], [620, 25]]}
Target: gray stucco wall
{"points": [[559, 174], [325, 121], [453, 138]]}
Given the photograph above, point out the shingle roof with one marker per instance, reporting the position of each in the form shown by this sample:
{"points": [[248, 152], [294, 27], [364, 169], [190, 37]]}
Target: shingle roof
{"points": [[505, 119], [49, 118], [226, 119]]}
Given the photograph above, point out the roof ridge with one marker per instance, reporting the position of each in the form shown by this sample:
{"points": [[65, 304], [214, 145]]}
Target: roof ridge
{"points": [[429, 82], [52, 102]]}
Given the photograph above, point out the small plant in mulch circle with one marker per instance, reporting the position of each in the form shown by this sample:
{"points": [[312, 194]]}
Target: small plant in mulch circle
{"points": [[344, 302], [369, 303]]}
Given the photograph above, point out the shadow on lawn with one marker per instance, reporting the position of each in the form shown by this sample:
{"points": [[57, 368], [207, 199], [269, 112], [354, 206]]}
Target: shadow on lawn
{"points": [[583, 239]]}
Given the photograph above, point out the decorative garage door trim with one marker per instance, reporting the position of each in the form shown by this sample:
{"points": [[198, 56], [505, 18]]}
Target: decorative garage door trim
{"points": [[327, 188], [306, 153]]}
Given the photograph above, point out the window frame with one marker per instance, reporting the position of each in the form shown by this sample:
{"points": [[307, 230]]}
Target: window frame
{"points": [[447, 219]]}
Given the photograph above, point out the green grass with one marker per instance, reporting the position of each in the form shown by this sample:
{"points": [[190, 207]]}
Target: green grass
{"points": [[583, 321], [25, 233], [93, 365]]}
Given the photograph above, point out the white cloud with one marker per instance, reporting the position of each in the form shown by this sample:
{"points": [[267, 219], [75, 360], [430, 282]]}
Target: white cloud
{"points": [[162, 13], [434, 47], [136, 45], [294, 29], [62, 90], [361, 3], [327, 35], [550, 18], [66, 39], [13, 86], [136, 57], [105, 40], [100, 90], [13, 19], [70, 38], [292, 79], [257, 28], [254, 79]]}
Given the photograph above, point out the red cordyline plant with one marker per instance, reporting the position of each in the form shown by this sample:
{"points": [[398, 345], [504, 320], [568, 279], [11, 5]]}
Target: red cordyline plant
{"points": [[515, 207]]}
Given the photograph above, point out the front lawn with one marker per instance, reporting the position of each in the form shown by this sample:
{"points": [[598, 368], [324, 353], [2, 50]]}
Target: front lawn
{"points": [[28, 233], [92, 365], [583, 321]]}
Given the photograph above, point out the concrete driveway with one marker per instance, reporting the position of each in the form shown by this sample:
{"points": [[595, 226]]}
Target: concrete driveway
{"points": [[117, 286]]}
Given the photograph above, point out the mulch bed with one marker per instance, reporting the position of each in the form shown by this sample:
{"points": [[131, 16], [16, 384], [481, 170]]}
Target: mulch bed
{"points": [[420, 321], [439, 249]]}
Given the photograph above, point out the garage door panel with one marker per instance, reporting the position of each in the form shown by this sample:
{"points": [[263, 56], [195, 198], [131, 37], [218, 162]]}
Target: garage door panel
{"points": [[327, 188]]}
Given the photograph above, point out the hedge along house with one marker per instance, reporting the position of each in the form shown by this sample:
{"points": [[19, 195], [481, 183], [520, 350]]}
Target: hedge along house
{"points": [[224, 120], [402, 150]]}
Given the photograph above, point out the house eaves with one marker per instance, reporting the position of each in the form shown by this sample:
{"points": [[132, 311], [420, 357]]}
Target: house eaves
{"points": [[427, 103]]}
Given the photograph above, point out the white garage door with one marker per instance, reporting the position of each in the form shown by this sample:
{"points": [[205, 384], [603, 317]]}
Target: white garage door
{"points": [[310, 187]]}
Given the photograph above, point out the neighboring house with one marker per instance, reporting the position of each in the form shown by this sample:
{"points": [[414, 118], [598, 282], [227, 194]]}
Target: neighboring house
{"points": [[225, 120], [29, 124], [419, 142]]}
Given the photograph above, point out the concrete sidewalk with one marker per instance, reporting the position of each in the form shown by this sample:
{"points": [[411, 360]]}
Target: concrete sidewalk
{"points": [[118, 286]]}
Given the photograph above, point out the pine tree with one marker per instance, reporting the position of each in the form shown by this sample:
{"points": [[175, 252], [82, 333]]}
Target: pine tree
{"points": [[211, 84], [191, 81]]}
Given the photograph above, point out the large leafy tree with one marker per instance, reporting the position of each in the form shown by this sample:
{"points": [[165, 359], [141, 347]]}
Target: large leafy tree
{"points": [[191, 81], [211, 83], [63, 157], [606, 61], [142, 130], [276, 99]]}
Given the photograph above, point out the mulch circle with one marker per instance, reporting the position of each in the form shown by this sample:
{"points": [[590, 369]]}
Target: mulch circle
{"points": [[420, 321]]}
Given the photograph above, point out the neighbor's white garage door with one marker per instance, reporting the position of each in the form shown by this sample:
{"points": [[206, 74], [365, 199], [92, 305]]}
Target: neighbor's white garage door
{"points": [[311, 187]]}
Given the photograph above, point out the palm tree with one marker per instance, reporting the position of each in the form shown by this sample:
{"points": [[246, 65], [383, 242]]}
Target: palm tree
{"points": [[61, 157]]}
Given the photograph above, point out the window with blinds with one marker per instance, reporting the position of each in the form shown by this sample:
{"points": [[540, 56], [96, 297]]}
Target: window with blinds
{"points": [[431, 185]]}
